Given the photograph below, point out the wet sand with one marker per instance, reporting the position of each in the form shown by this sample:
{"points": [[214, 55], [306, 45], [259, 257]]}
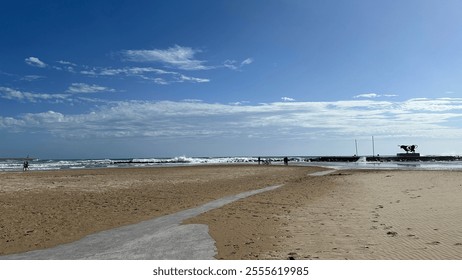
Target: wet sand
{"points": [[342, 215]]}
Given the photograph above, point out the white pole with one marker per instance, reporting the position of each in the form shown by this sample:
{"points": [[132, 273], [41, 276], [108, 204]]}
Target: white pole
{"points": [[373, 147], [356, 145]]}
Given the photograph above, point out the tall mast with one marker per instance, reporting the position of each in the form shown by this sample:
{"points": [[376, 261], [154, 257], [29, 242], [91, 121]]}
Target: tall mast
{"points": [[373, 147], [356, 145]]}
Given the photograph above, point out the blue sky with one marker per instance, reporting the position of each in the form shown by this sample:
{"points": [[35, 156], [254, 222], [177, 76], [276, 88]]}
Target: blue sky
{"points": [[96, 79]]}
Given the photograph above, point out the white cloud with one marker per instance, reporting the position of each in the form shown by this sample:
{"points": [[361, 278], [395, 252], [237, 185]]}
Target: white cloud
{"points": [[12, 94], [231, 64], [367, 95], [146, 73], [239, 103], [160, 81], [156, 75], [24, 96], [176, 57], [30, 78], [183, 78], [86, 88], [33, 61], [63, 62], [192, 100], [173, 60], [373, 95], [305, 120], [287, 99], [247, 61], [128, 71], [234, 65]]}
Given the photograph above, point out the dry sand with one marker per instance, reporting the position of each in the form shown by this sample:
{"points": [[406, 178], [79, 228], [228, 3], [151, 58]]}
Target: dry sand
{"points": [[42, 209], [343, 215], [346, 215]]}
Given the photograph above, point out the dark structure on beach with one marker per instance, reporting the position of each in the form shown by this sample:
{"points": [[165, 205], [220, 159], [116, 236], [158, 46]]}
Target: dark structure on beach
{"points": [[410, 151], [410, 155], [398, 157]]}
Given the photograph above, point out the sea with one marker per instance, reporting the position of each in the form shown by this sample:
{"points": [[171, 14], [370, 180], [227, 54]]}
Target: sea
{"points": [[7, 165]]}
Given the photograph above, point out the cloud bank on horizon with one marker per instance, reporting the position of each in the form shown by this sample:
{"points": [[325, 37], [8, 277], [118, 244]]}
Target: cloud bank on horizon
{"points": [[318, 121], [246, 84]]}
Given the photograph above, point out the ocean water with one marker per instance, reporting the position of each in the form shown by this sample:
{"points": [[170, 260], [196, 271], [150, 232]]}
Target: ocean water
{"points": [[60, 164]]}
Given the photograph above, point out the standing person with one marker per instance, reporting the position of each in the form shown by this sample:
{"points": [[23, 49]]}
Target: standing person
{"points": [[25, 165], [259, 160], [286, 161]]}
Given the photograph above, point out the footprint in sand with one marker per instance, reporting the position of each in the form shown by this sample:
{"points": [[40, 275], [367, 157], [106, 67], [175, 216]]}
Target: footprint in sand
{"points": [[291, 256], [375, 215], [392, 233]]}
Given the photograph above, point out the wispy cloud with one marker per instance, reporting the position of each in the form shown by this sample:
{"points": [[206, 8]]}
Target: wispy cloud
{"points": [[373, 95], [235, 65], [23, 96], [238, 103], [183, 78], [287, 99], [247, 61], [30, 78], [69, 97], [141, 72], [180, 58], [172, 64], [155, 75], [63, 62], [86, 88], [231, 64], [175, 57], [6, 74], [367, 95], [34, 61]]}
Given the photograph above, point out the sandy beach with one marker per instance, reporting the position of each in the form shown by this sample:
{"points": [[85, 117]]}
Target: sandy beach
{"points": [[372, 215], [43, 209], [342, 215]]}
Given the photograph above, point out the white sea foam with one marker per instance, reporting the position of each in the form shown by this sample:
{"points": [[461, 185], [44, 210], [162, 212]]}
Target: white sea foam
{"points": [[362, 160], [17, 165]]}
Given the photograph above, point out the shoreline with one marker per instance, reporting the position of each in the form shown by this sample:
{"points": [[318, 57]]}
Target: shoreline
{"points": [[415, 161], [347, 214]]}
